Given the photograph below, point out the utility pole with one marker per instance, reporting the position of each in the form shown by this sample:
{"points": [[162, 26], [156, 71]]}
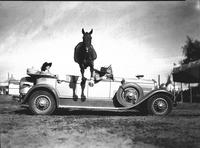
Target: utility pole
{"points": [[190, 90], [181, 92]]}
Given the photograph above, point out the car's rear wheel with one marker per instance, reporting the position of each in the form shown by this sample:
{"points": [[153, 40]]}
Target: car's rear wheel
{"points": [[159, 104], [128, 95], [42, 103]]}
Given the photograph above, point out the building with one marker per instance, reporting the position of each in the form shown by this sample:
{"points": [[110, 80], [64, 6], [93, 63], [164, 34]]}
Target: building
{"points": [[9, 87], [189, 74]]}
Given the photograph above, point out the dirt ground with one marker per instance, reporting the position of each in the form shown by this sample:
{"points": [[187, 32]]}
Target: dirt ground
{"points": [[101, 129]]}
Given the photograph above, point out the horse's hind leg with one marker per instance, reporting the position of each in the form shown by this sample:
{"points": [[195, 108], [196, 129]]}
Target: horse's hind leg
{"points": [[82, 71], [73, 83], [83, 97]]}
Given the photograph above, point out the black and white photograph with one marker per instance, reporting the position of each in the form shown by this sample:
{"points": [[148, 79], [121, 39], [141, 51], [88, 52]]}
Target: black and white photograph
{"points": [[100, 74]]}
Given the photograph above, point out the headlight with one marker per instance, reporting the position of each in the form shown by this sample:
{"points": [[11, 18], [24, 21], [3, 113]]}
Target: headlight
{"points": [[24, 86], [155, 86]]}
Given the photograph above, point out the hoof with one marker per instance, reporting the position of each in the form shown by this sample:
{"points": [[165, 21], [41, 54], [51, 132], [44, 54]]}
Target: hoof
{"points": [[91, 82], [75, 97], [83, 98]]}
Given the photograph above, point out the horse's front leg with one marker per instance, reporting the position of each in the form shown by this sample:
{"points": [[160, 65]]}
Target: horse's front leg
{"points": [[82, 71], [92, 72], [92, 75]]}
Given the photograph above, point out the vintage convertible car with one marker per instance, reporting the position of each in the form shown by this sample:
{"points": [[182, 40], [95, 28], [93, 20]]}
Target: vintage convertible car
{"points": [[44, 93]]}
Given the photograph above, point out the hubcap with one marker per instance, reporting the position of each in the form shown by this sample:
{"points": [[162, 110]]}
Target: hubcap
{"points": [[130, 95], [160, 105], [42, 102]]}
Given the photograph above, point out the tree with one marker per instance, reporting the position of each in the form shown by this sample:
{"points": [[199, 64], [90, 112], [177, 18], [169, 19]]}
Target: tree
{"points": [[191, 50]]}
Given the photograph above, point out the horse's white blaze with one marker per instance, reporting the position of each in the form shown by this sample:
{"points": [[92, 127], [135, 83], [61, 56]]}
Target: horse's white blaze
{"points": [[86, 49]]}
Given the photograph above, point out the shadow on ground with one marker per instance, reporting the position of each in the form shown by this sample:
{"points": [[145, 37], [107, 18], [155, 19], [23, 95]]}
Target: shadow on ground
{"points": [[9, 106], [78, 112]]}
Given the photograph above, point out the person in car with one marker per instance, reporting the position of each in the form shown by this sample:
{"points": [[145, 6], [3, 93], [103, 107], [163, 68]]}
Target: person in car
{"points": [[45, 69]]}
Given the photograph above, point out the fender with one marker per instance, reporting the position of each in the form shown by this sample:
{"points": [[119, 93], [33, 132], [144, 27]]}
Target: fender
{"points": [[138, 87], [149, 95], [42, 87], [153, 92]]}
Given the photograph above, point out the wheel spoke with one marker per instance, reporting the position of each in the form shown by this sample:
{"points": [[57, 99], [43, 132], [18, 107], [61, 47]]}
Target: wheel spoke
{"points": [[42, 102], [160, 105]]}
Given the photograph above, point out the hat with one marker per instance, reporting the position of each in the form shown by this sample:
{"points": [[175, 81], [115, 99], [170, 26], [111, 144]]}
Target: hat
{"points": [[43, 68]]}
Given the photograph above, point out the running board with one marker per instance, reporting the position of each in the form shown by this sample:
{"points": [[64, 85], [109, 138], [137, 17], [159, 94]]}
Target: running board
{"points": [[92, 107]]}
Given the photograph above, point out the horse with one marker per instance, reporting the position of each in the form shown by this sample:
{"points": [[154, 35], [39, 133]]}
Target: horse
{"points": [[84, 55]]}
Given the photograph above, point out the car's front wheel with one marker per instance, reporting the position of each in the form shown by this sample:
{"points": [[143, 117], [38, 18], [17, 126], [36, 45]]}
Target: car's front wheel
{"points": [[42, 103], [159, 104]]}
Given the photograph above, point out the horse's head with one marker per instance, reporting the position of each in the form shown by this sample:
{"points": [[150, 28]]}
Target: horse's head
{"points": [[87, 38]]}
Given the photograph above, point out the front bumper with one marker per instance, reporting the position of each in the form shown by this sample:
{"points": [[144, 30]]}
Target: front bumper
{"points": [[18, 98]]}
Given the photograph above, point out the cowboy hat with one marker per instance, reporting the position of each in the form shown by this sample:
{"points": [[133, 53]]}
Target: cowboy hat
{"points": [[43, 68]]}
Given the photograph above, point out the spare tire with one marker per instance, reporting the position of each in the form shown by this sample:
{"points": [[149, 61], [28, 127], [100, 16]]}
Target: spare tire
{"points": [[129, 94]]}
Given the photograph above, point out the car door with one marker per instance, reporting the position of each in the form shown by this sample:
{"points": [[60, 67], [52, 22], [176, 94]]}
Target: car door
{"points": [[100, 90], [99, 94]]}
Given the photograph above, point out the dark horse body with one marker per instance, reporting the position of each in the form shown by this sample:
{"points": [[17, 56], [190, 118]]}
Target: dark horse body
{"points": [[84, 55]]}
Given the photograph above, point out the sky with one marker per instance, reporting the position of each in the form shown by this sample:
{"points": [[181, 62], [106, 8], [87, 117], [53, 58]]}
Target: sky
{"points": [[134, 37]]}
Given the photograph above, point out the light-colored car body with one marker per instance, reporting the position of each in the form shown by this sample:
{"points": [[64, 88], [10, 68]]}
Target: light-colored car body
{"points": [[117, 94]]}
